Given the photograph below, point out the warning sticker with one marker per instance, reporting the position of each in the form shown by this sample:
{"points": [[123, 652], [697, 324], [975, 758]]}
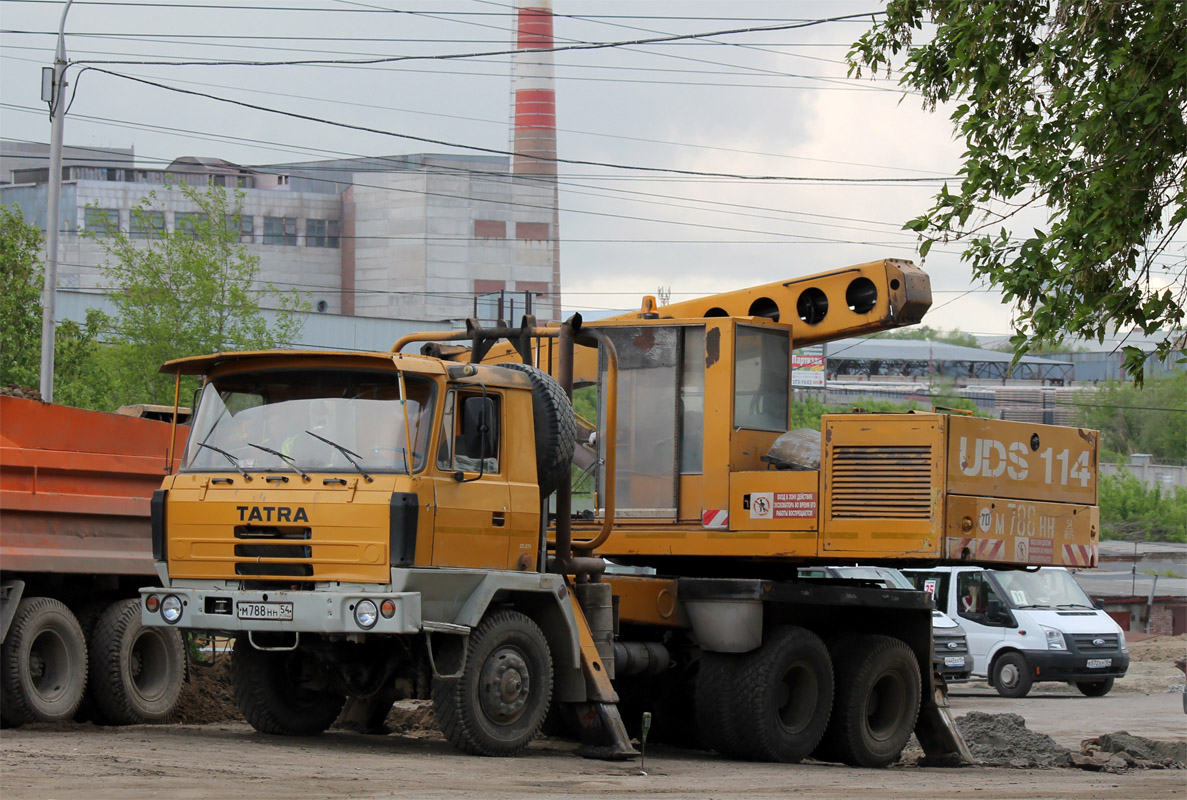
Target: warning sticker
{"points": [[782, 505], [1042, 551]]}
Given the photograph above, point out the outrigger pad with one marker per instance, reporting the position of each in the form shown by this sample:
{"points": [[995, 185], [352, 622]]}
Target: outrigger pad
{"points": [[603, 736], [938, 735]]}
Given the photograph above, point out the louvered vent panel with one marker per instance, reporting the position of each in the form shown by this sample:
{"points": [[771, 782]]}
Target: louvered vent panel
{"points": [[874, 482]]}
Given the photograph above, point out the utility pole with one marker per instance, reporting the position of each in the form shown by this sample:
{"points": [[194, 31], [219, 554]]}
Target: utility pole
{"points": [[53, 91]]}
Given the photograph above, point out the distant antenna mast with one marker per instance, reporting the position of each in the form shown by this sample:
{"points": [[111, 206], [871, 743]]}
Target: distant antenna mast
{"points": [[664, 295]]}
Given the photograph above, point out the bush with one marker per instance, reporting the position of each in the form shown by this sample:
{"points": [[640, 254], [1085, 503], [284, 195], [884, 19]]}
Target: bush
{"points": [[1130, 508]]}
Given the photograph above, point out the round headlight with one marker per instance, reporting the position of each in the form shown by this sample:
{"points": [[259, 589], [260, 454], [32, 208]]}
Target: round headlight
{"points": [[171, 609], [366, 614]]}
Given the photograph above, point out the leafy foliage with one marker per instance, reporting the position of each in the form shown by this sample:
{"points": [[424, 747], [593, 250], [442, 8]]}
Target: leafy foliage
{"points": [[1130, 509], [1150, 419], [20, 299], [926, 333], [1075, 108], [188, 292]]}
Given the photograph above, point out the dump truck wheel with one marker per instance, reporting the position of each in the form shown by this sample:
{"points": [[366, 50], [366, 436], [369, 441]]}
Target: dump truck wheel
{"points": [[88, 617], [1095, 688], [1011, 675], [784, 696], [556, 428], [876, 704], [716, 714], [284, 693], [500, 701], [44, 663], [136, 671]]}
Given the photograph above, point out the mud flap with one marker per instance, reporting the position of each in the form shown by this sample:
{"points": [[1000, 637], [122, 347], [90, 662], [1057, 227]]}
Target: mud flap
{"points": [[937, 732]]}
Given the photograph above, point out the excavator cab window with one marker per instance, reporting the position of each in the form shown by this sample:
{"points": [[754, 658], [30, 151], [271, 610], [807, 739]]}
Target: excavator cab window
{"points": [[762, 379]]}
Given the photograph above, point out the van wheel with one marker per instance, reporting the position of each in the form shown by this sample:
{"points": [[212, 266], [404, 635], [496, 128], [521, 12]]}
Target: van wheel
{"points": [[878, 690], [1095, 688], [43, 663], [1011, 675], [500, 701], [555, 428], [282, 692], [136, 671]]}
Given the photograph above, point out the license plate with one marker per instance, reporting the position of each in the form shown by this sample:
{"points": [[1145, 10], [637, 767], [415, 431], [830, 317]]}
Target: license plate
{"points": [[1097, 663], [953, 661], [281, 611]]}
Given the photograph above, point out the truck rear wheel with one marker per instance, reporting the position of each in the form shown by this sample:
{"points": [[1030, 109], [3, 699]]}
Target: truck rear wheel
{"points": [[44, 663], [1095, 688], [500, 701], [1011, 675], [136, 671], [784, 696], [717, 719], [878, 690], [555, 427], [282, 692]]}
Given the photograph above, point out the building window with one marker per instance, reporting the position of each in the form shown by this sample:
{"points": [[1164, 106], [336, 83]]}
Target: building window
{"points": [[490, 229], [192, 223], [532, 230], [321, 233], [102, 221], [243, 225], [280, 230], [147, 224]]}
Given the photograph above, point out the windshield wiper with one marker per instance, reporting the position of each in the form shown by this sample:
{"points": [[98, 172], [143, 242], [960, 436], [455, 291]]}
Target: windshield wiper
{"points": [[1074, 605], [345, 454], [292, 462], [234, 461]]}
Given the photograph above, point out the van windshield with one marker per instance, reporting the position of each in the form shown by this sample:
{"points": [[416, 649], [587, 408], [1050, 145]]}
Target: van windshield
{"points": [[274, 420], [1046, 588]]}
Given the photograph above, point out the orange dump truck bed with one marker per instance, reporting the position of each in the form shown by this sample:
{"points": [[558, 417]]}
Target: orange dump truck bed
{"points": [[76, 486]]}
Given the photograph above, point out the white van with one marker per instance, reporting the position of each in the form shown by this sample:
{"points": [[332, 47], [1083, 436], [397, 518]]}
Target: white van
{"points": [[1027, 626]]}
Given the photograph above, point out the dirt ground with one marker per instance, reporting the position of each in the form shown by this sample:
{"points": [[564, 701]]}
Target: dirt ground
{"points": [[228, 758]]}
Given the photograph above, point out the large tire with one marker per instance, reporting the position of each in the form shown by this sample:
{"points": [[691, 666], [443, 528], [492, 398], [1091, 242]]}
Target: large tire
{"points": [[282, 692], [136, 671], [876, 703], [500, 701], [555, 426], [784, 696], [43, 663], [717, 720], [1095, 688], [88, 615], [1011, 675]]}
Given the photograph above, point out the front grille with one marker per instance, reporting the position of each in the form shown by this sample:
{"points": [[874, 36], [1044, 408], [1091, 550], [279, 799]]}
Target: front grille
{"points": [[942, 648], [272, 542], [1086, 642], [871, 481]]}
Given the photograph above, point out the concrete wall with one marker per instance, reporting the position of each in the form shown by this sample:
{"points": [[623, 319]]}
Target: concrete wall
{"points": [[1163, 475]]}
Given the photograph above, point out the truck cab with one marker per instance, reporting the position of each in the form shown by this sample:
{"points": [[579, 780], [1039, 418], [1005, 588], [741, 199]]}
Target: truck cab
{"points": [[1029, 626]]}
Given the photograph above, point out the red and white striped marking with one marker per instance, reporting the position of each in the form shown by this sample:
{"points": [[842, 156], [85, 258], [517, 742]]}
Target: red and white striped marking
{"points": [[1079, 555], [716, 519], [979, 549]]}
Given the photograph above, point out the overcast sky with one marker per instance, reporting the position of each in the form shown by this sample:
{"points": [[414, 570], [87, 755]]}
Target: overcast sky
{"points": [[772, 103]]}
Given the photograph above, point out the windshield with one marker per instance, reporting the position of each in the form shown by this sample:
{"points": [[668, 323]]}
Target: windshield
{"points": [[1046, 588], [299, 413], [891, 577]]}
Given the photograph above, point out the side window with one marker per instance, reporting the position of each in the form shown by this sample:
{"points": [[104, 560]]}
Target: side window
{"points": [[935, 584], [976, 599], [457, 451]]}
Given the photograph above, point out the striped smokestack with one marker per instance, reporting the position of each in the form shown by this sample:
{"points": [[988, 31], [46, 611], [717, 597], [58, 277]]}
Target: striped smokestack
{"points": [[533, 97]]}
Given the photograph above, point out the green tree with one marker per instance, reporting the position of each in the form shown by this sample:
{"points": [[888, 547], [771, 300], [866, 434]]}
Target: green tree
{"points": [[186, 292], [1076, 108], [1129, 509], [1150, 419], [20, 299], [926, 333]]}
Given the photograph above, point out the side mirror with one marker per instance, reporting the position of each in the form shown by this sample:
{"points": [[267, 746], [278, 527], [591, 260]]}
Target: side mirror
{"points": [[480, 434]]}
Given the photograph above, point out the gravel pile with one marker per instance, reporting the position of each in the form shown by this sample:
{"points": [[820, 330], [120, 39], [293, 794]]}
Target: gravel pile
{"points": [[1004, 740]]}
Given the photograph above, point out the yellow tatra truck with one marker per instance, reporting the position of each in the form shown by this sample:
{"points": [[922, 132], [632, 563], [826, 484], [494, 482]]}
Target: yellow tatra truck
{"points": [[376, 526]]}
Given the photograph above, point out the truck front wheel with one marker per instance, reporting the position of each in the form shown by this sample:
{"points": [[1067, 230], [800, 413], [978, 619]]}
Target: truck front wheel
{"points": [[43, 663], [136, 672], [503, 695], [282, 692], [878, 689], [1011, 675]]}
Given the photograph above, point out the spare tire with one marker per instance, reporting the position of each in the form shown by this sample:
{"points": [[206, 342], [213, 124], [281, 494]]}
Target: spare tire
{"points": [[555, 426]]}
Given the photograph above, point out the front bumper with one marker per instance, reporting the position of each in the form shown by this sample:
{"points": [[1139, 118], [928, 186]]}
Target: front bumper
{"points": [[320, 611], [1054, 665]]}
